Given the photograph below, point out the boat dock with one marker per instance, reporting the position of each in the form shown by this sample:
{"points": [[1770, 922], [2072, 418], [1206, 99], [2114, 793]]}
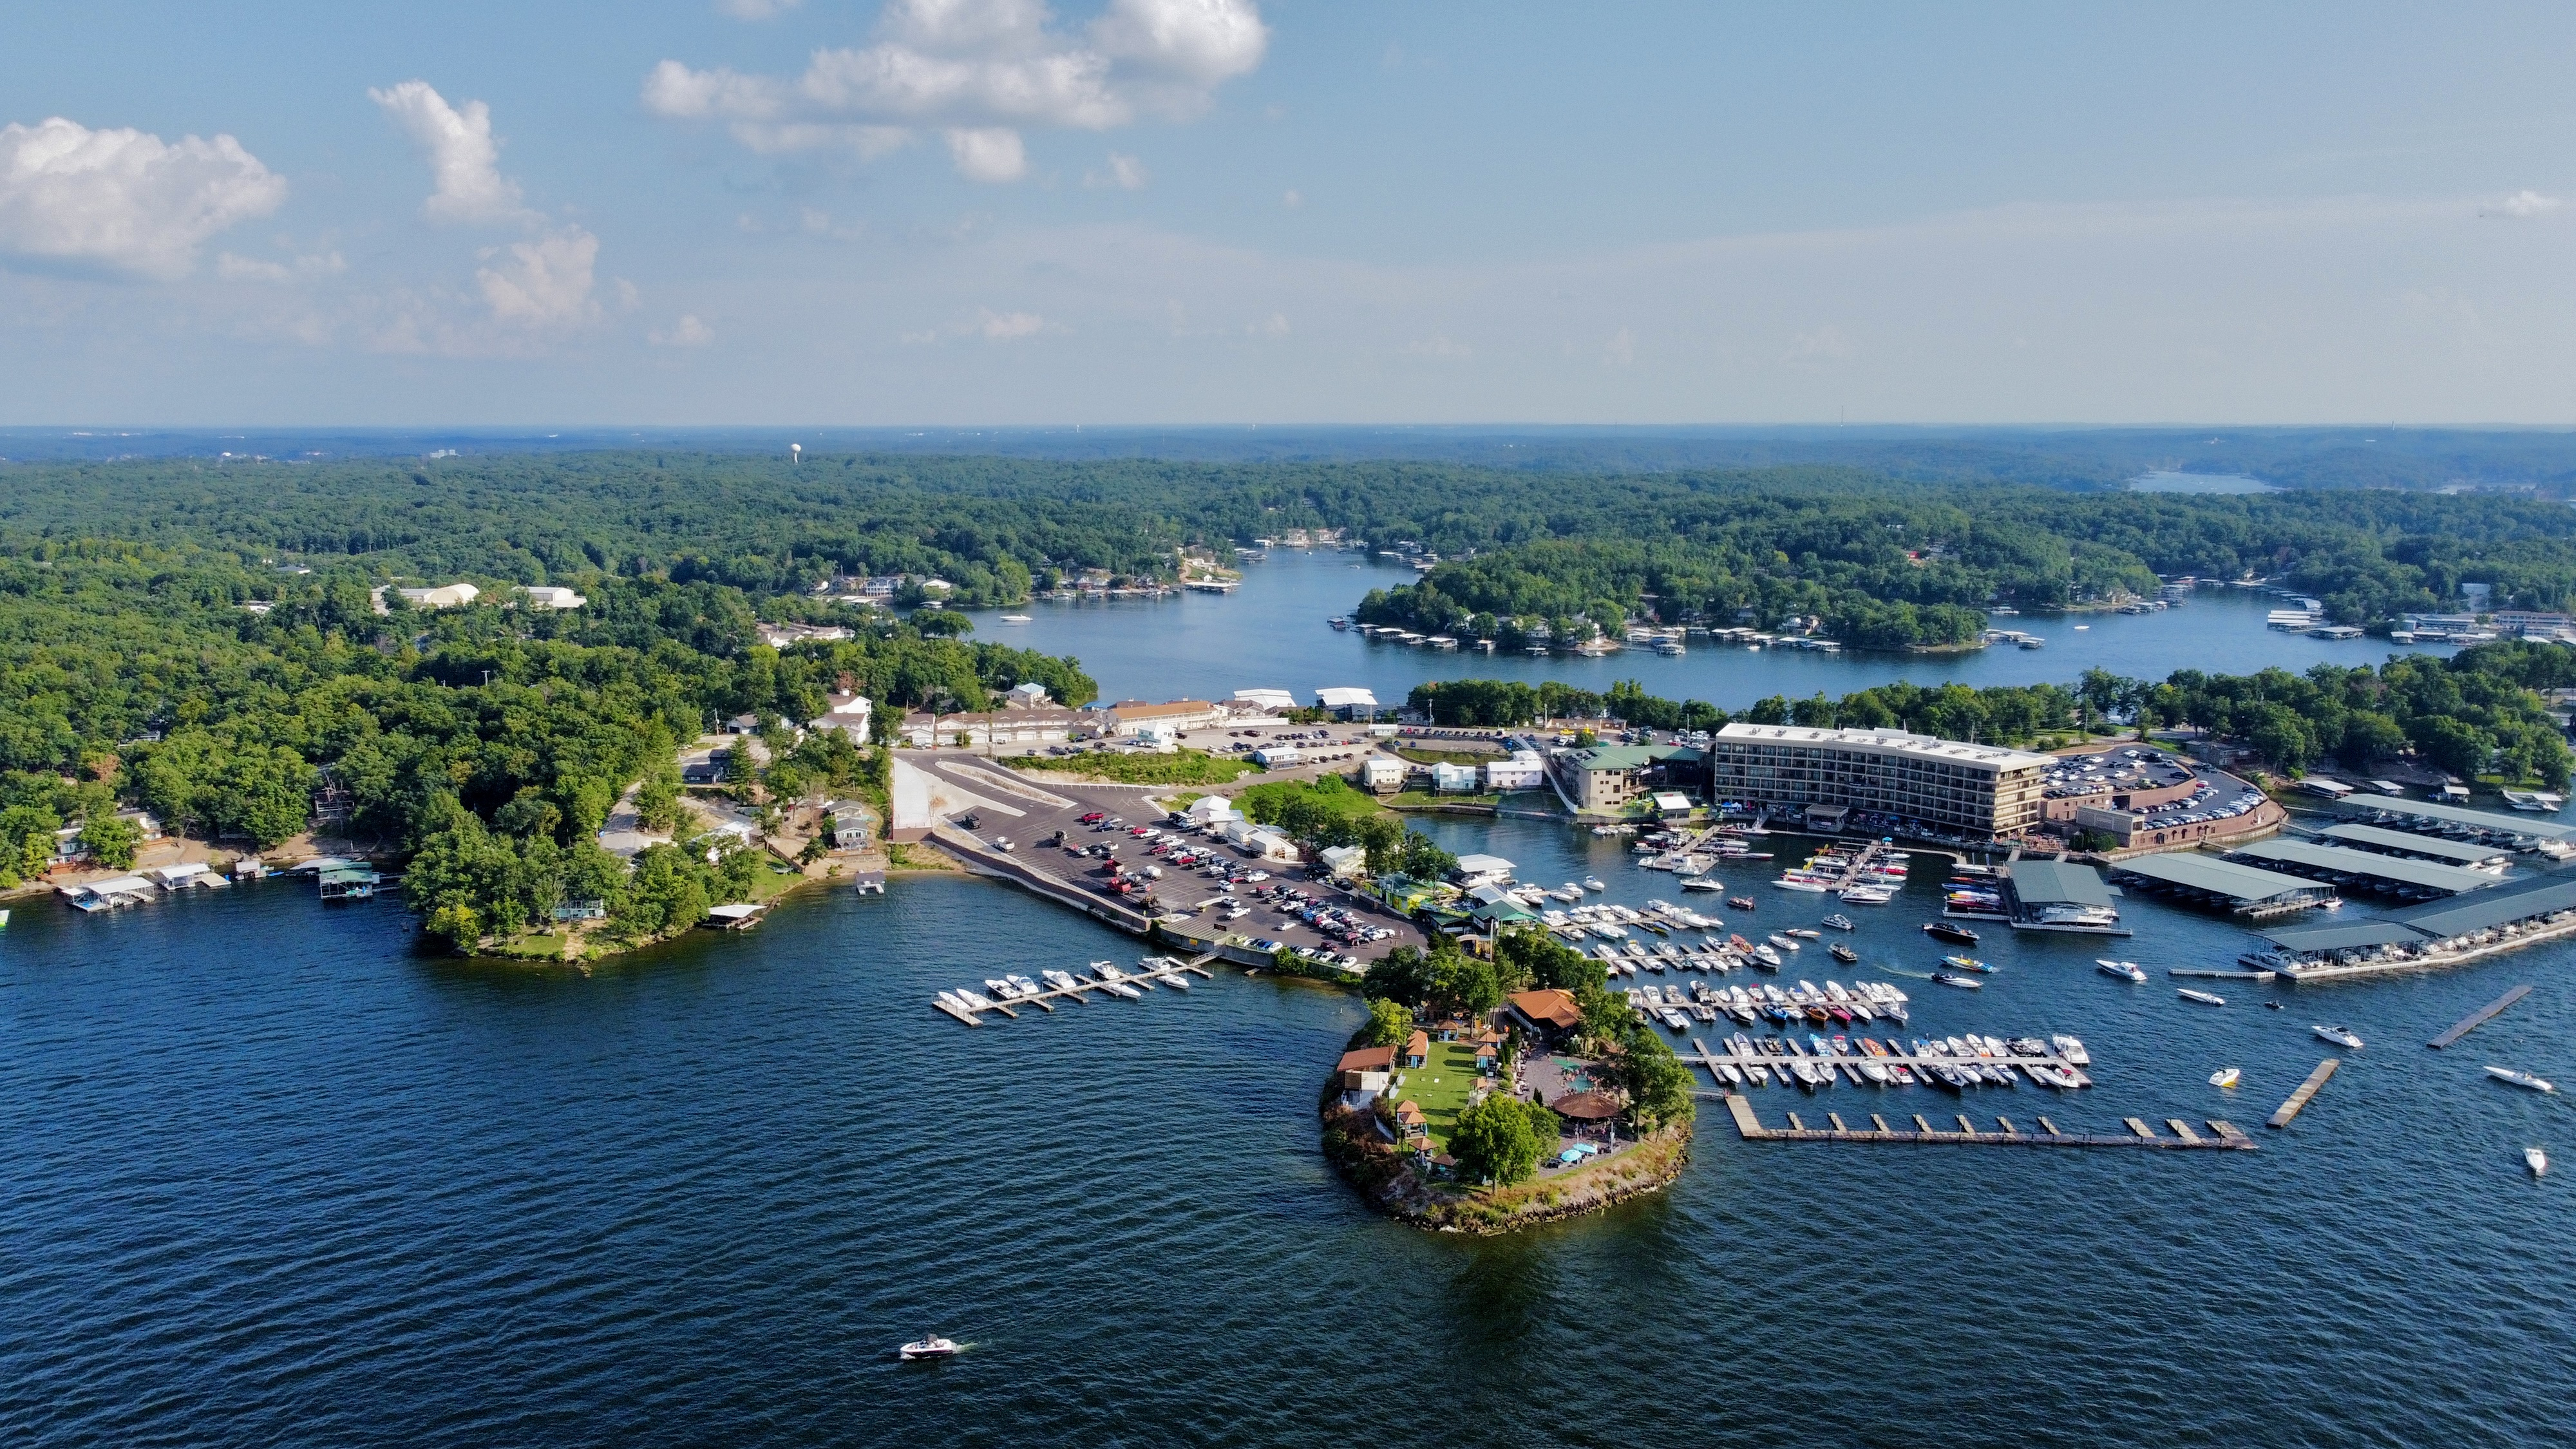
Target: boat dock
{"points": [[1710, 1061], [2308, 1089], [1049, 997], [2224, 1135], [2479, 1017], [2223, 975]]}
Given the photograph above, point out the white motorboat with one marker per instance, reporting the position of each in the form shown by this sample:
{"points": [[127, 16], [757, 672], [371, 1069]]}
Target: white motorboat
{"points": [[2536, 1160], [2205, 998], [2225, 1077], [1593, 883], [1003, 989], [1783, 942], [1841, 923], [2341, 1036], [2519, 1079], [2071, 1049], [1106, 970], [928, 1346], [2124, 970], [1803, 883], [1060, 980]]}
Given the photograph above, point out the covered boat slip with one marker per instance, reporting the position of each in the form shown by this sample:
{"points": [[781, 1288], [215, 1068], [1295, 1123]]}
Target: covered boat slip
{"points": [[2047, 895], [2430, 815], [2225, 885], [2361, 870], [2427, 847], [2440, 933]]}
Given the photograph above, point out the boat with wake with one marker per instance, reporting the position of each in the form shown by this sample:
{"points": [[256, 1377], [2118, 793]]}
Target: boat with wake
{"points": [[2520, 1079], [2205, 998], [2342, 1036], [2124, 970]]}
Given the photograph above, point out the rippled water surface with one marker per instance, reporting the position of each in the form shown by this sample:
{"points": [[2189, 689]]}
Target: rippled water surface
{"points": [[271, 1177]]}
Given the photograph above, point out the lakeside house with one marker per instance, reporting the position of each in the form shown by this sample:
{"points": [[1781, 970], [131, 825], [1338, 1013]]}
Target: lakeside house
{"points": [[1383, 774], [1606, 777], [1525, 770], [1547, 1014]]}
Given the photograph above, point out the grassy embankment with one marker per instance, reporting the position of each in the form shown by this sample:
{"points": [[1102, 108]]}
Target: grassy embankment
{"points": [[1183, 767]]}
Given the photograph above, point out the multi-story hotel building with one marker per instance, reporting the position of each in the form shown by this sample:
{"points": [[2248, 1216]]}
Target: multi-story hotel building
{"points": [[1975, 790]]}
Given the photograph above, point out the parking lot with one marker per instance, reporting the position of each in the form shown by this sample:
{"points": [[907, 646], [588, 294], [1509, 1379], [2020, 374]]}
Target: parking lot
{"points": [[1108, 841]]}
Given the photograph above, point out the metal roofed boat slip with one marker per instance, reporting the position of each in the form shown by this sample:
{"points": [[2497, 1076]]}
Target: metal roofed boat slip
{"points": [[2052, 882], [2245, 889], [2301, 940], [2431, 847], [2365, 806], [2387, 870], [2443, 920]]}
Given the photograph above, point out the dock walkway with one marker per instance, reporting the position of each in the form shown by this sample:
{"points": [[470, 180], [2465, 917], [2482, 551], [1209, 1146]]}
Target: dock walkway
{"points": [[2308, 1089], [1700, 1056], [1048, 998], [2479, 1017], [2224, 1135]]}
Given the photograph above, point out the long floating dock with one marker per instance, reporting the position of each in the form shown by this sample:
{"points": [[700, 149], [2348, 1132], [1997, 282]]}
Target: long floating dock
{"points": [[1048, 998], [1710, 1062], [2225, 1137], [2479, 1017], [2299, 1099]]}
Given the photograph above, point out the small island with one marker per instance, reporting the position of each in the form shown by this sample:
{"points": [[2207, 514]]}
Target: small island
{"points": [[1492, 1092]]}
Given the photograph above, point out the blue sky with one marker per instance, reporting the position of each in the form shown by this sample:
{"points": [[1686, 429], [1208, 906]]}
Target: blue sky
{"points": [[1115, 211]]}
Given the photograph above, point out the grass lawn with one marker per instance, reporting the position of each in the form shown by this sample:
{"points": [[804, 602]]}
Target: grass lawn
{"points": [[1422, 756], [1425, 800], [1440, 1089], [1184, 767], [1271, 798]]}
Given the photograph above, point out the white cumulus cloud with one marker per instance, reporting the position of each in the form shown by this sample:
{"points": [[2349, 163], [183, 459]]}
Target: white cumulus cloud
{"points": [[234, 268], [464, 159], [543, 282], [1125, 172], [1006, 326], [988, 153], [2528, 203], [982, 66], [687, 332], [124, 199]]}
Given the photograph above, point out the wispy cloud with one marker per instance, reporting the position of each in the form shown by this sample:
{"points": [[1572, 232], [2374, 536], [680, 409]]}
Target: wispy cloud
{"points": [[464, 159]]}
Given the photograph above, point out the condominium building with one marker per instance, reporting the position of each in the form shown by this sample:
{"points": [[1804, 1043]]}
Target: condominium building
{"points": [[1974, 790]]}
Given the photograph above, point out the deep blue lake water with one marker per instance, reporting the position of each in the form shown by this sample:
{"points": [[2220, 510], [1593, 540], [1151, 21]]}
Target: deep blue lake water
{"points": [[273, 1177], [1270, 633]]}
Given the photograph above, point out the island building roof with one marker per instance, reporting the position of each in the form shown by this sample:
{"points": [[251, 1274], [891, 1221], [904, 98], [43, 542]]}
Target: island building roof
{"points": [[1368, 1059], [1547, 1007]]}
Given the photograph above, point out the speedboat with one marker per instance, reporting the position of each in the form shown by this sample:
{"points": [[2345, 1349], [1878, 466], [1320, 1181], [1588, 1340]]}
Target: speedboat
{"points": [[2224, 1077], [2205, 998], [1739, 903], [2341, 1036], [2536, 1160], [1949, 931], [1767, 957], [1060, 980], [1783, 942], [1842, 953], [1948, 978], [2520, 1079], [1593, 883], [928, 1346], [1968, 963], [1840, 922], [1003, 989], [2071, 1049], [2125, 970]]}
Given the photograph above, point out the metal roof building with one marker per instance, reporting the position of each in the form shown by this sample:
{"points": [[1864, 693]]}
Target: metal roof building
{"points": [[2051, 895], [2210, 881], [2544, 896], [2400, 842], [2308, 940], [2432, 813], [2362, 869]]}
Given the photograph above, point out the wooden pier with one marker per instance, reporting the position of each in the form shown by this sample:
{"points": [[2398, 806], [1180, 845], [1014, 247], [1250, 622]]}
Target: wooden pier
{"points": [[2299, 1099], [1048, 998], [2479, 1017], [2223, 975], [2224, 1135]]}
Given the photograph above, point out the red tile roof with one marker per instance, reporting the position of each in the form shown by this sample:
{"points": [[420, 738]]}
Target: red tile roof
{"points": [[1368, 1059]]}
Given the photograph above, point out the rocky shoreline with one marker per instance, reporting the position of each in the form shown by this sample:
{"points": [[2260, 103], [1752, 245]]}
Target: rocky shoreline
{"points": [[1385, 1176]]}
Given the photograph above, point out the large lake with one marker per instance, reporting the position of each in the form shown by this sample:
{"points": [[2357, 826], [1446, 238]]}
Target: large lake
{"points": [[270, 1174], [1271, 633], [274, 1177]]}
